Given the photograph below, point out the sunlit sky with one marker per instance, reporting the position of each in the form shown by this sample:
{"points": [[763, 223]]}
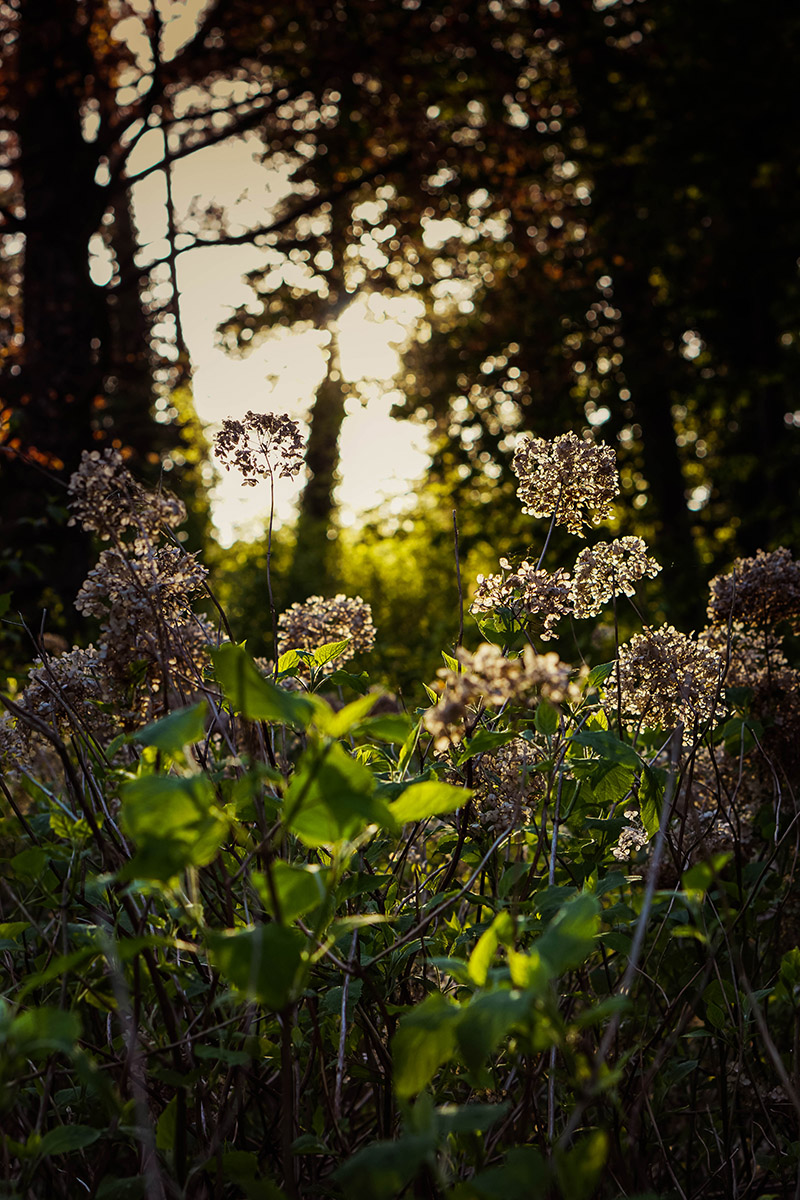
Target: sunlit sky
{"points": [[381, 458]]}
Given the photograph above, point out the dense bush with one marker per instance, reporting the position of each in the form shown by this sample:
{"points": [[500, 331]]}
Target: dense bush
{"points": [[264, 933]]}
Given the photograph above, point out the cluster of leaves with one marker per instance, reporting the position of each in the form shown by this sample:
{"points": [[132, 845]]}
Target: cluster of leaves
{"points": [[267, 933], [262, 981]]}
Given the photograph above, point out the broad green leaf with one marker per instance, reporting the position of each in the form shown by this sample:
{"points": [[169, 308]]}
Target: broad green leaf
{"points": [[569, 938], [452, 663], [166, 1126], [699, 878], [30, 863], [425, 1039], [264, 962], [523, 1175], [257, 698], [338, 724], [609, 747], [392, 727], [383, 1170], [179, 729], [500, 932], [331, 798], [298, 889], [469, 1118], [579, 1168], [430, 799], [12, 929], [175, 823], [486, 1021], [611, 783], [65, 1138], [599, 674], [651, 798], [359, 683], [546, 718], [529, 971], [288, 661], [484, 742], [42, 1030], [330, 651]]}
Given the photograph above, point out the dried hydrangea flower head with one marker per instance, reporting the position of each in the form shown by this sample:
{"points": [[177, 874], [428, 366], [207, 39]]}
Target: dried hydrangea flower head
{"points": [[506, 788], [527, 592], [260, 446], [316, 622], [609, 569], [107, 500], [666, 678], [759, 591], [488, 677], [562, 477]]}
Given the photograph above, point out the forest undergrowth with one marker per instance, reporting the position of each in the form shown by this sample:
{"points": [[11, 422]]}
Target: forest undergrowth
{"points": [[265, 932]]}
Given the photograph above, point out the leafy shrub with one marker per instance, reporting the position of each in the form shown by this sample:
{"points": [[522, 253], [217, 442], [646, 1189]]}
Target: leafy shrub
{"points": [[264, 933]]}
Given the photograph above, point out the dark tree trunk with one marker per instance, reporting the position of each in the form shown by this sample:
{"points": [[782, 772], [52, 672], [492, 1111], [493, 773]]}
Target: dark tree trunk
{"points": [[311, 572], [60, 372]]}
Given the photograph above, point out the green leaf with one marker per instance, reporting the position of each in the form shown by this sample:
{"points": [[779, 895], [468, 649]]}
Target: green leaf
{"points": [[523, 1175], [484, 742], [288, 662], [264, 962], [569, 939], [612, 783], [425, 1039], [338, 724], [608, 747], [393, 727], [579, 1168], [175, 823], [179, 729], [651, 798], [331, 798], [452, 663], [546, 718], [383, 1170], [500, 932], [327, 653], [429, 799], [299, 889], [166, 1126], [65, 1138], [359, 683], [599, 674], [486, 1021], [42, 1030], [255, 697], [699, 878], [469, 1118]]}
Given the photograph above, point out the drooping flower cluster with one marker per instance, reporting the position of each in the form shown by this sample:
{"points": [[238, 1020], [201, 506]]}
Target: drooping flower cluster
{"points": [[666, 678], [261, 445], [506, 788], [107, 500], [609, 569], [527, 592], [602, 572], [141, 590], [488, 677], [316, 622], [564, 477], [631, 838], [759, 591]]}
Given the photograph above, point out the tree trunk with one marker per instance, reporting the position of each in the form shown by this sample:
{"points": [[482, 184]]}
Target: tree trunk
{"points": [[59, 373]]}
